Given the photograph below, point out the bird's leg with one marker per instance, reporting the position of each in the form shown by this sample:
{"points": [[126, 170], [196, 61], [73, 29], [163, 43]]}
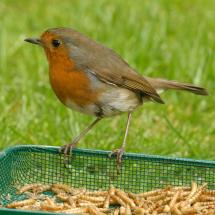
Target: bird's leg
{"points": [[67, 149], [119, 152]]}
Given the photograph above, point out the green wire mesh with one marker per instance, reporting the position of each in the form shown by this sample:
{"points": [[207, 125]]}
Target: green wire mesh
{"points": [[94, 170]]}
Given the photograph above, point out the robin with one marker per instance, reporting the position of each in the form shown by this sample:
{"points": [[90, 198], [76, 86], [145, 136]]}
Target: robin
{"points": [[92, 79]]}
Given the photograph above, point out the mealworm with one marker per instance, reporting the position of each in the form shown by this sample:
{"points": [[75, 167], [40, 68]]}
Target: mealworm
{"points": [[125, 198], [118, 200], [22, 203], [107, 201], [28, 187], [66, 188]]}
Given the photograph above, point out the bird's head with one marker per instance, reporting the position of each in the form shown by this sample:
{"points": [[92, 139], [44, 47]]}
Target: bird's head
{"points": [[59, 42]]}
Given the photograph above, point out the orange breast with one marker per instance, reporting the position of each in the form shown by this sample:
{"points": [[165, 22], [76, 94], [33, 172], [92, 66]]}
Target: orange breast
{"points": [[70, 84]]}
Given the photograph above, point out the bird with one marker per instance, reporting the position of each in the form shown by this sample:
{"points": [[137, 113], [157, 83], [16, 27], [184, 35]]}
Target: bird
{"points": [[91, 78]]}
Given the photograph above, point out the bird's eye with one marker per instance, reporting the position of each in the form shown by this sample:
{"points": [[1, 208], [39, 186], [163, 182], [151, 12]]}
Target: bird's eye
{"points": [[56, 43]]}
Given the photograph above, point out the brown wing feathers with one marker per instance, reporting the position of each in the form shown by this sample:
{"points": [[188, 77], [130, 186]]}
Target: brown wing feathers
{"points": [[131, 81], [144, 88], [167, 84]]}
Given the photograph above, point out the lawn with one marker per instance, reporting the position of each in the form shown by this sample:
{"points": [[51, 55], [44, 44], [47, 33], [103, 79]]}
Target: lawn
{"points": [[160, 38]]}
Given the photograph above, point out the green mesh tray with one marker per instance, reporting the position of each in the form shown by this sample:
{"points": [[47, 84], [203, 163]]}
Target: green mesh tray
{"points": [[94, 170]]}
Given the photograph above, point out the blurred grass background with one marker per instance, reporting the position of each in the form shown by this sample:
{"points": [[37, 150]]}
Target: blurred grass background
{"points": [[160, 38]]}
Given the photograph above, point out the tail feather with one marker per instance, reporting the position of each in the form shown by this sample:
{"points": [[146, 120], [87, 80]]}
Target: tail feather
{"points": [[162, 84]]}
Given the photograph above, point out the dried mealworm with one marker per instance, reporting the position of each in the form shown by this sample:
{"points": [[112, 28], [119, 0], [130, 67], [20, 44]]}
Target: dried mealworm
{"points": [[75, 211], [78, 193], [87, 204], [189, 199], [151, 208], [125, 198], [181, 188], [105, 210], [135, 198], [107, 201], [210, 192], [96, 193], [174, 199], [157, 197], [206, 198], [118, 200], [94, 211], [50, 201], [164, 201], [92, 198], [29, 207], [66, 188], [57, 190], [193, 189], [42, 188], [188, 210], [63, 196], [113, 201], [22, 203], [196, 195], [28, 187], [150, 193], [45, 206], [201, 204]]}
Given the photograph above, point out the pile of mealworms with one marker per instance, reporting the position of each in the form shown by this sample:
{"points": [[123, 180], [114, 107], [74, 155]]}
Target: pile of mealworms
{"points": [[65, 199]]}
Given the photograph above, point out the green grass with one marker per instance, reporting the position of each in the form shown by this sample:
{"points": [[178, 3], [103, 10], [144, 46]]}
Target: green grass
{"points": [[160, 38]]}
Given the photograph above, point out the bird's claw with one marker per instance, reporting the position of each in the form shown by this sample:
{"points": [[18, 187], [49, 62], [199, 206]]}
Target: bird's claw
{"points": [[118, 152], [67, 151]]}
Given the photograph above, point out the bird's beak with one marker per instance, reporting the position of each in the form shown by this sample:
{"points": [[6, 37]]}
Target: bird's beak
{"points": [[34, 41]]}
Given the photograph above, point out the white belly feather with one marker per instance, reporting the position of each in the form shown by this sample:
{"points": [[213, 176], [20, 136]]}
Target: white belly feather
{"points": [[118, 100]]}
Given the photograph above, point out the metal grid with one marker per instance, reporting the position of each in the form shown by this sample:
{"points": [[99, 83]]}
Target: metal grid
{"points": [[94, 170]]}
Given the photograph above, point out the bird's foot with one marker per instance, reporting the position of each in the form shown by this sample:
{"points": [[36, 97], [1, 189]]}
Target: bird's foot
{"points": [[67, 151], [118, 152]]}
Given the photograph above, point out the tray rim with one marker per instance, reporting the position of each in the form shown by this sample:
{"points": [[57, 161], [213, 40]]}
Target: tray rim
{"points": [[104, 153], [19, 211]]}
